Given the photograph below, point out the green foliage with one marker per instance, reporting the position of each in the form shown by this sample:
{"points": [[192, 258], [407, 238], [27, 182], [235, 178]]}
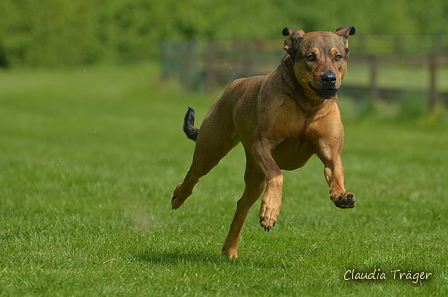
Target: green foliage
{"points": [[66, 33], [49, 33], [90, 157]]}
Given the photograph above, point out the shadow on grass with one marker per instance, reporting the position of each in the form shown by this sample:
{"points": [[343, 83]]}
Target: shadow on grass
{"points": [[179, 257]]}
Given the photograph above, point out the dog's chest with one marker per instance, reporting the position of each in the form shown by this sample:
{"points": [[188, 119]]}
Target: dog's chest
{"points": [[295, 151]]}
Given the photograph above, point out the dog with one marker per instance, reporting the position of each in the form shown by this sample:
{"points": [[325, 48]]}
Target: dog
{"points": [[281, 119]]}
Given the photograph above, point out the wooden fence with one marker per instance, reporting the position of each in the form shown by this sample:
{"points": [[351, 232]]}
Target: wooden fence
{"points": [[204, 66]]}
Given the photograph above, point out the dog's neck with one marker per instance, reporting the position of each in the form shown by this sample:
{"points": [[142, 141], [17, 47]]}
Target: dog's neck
{"points": [[297, 92]]}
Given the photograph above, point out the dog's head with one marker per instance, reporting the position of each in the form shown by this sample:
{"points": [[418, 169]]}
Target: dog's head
{"points": [[319, 59]]}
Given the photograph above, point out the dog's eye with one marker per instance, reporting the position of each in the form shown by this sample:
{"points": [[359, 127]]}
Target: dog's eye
{"points": [[338, 57], [311, 58]]}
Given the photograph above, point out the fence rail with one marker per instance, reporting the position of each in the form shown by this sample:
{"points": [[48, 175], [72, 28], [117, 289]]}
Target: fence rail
{"points": [[206, 65]]}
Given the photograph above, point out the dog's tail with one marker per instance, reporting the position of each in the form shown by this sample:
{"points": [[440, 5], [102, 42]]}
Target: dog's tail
{"points": [[190, 130]]}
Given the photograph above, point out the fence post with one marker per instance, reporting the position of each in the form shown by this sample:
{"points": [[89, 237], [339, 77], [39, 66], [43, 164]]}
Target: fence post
{"points": [[399, 44], [247, 53], [433, 96], [210, 58], [364, 45], [374, 90], [166, 57], [188, 61]]}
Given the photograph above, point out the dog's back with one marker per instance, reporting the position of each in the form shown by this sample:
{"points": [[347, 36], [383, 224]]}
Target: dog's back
{"points": [[238, 103]]}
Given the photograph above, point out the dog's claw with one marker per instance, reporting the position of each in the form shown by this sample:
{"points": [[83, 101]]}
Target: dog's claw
{"points": [[267, 227]]}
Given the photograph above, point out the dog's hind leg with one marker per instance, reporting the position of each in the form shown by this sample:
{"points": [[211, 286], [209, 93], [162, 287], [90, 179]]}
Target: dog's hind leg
{"points": [[216, 137], [255, 184]]}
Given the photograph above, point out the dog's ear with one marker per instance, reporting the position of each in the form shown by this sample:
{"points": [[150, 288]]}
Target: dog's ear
{"points": [[291, 44], [344, 32]]}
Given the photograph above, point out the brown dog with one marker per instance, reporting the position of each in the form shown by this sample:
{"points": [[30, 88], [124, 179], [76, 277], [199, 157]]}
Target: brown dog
{"points": [[282, 119]]}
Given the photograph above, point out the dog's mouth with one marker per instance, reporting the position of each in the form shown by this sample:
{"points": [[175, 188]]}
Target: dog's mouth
{"points": [[324, 93]]}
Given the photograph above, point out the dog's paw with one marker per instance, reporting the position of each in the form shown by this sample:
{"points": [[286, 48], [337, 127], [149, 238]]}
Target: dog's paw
{"points": [[266, 225], [268, 217], [231, 253], [345, 200], [179, 197], [175, 203]]}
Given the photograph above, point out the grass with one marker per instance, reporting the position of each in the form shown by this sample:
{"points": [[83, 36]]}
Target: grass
{"points": [[89, 161]]}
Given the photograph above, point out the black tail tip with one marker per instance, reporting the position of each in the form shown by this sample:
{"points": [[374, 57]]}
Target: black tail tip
{"points": [[190, 130]]}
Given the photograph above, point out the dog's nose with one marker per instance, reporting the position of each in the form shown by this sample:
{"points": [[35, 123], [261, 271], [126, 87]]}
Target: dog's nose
{"points": [[329, 79]]}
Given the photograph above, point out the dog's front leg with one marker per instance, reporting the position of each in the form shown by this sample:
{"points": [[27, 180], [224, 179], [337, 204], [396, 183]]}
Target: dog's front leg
{"points": [[272, 198], [334, 174]]}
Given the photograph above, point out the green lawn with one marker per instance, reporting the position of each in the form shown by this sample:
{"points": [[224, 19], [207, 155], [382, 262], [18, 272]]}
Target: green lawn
{"points": [[89, 159]]}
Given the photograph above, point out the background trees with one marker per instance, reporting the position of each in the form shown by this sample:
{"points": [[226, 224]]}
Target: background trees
{"points": [[55, 33]]}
